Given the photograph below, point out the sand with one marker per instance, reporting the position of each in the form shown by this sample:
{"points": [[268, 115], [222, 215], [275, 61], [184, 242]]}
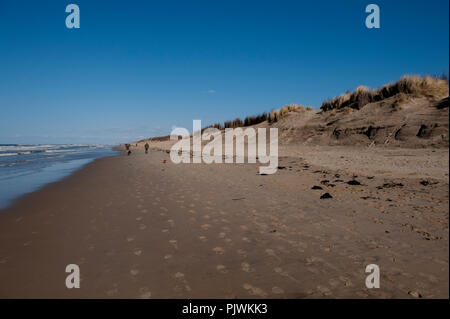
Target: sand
{"points": [[141, 228]]}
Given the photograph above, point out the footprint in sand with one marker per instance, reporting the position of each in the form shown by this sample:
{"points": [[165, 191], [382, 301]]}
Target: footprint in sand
{"points": [[145, 293], [138, 218], [171, 222], [277, 290], [166, 257], [202, 238], [242, 252], [130, 239], [222, 269], [174, 243], [246, 267], [142, 226], [134, 272], [254, 290], [324, 290], [218, 250], [137, 251], [164, 230], [345, 280], [272, 253], [180, 277], [112, 292], [222, 235], [205, 226]]}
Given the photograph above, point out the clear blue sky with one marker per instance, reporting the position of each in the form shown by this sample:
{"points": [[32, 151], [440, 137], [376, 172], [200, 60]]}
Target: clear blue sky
{"points": [[136, 68]]}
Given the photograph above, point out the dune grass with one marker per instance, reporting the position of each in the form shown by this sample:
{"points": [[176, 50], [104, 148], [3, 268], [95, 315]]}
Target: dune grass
{"points": [[428, 86]]}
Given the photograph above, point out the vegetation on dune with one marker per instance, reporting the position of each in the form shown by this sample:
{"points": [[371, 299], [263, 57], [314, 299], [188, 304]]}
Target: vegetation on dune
{"points": [[428, 86], [271, 117]]}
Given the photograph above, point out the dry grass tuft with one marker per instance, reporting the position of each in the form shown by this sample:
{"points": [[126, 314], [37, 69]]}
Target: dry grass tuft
{"points": [[277, 115], [429, 86]]}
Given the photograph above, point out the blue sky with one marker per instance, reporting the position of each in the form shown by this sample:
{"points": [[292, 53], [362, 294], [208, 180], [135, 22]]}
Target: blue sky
{"points": [[137, 68]]}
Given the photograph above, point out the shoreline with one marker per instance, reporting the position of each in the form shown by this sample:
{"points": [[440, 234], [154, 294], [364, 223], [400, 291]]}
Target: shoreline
{"points": [[24, 196], [26, 179], [141, 228]]}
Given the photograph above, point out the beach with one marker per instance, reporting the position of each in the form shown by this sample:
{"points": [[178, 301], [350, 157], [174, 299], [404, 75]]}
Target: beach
{"points": [[139, 227]]}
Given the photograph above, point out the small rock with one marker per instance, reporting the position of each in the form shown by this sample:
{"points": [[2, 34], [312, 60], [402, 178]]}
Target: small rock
{"points": [[325, 196], [415, 294], [353, 182], [316, 187]]}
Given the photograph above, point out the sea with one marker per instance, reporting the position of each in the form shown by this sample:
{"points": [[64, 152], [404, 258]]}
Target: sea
{"points": [[26, 168]]}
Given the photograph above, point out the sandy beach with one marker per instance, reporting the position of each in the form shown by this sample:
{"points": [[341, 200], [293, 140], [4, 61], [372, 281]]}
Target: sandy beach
{"points": [[141, 228]]}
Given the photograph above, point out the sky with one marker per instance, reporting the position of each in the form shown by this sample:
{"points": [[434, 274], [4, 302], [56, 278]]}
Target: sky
{"points": [[136, 69]]}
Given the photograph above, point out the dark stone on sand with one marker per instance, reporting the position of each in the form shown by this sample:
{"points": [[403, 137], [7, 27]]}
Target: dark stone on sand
{"points": [[281, 167], [390, 185], [316, 187], [324, 182], [325, 196], [426, 183], [353, 182]]}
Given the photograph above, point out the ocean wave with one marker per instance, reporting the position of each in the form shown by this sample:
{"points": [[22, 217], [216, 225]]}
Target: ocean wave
{"points": [[8, 154]]}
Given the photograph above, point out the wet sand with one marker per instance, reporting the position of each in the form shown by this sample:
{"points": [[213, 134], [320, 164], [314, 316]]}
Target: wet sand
{"points": [[141, 228]]}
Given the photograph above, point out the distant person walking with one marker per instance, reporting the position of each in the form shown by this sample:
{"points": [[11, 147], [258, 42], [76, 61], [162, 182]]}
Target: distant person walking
{"points": [[127, 146], [146, 148]]}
